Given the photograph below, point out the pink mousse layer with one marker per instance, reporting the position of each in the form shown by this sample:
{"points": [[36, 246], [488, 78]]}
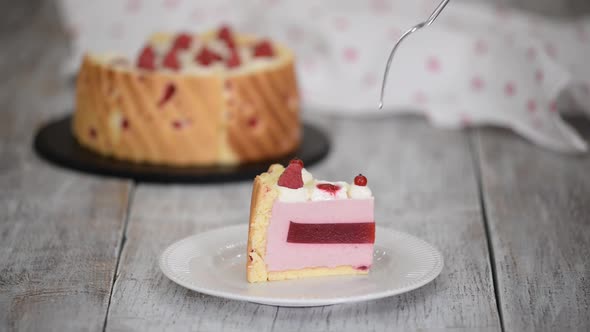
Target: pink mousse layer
{"points": [[281, 255]]}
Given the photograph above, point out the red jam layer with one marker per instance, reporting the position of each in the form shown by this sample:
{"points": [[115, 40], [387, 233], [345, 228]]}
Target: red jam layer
{"points": [[331, 233]]}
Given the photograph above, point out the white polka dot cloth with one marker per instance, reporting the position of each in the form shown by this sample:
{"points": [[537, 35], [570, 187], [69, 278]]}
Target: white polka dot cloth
{"points": [[476, 64]]}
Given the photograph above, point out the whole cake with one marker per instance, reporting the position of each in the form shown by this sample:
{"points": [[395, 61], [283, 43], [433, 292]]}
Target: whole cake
{"points": [[209, 99], [301, 227]]}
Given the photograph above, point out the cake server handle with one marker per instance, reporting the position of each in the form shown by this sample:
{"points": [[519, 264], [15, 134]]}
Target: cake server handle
{"points": [[413, 29]]}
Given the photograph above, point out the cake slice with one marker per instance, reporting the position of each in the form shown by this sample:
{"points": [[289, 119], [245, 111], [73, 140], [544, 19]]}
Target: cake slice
{"points": [[302, 227]]}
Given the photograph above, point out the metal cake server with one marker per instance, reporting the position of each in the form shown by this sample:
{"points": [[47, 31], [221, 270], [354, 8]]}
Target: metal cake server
{"points": [[415, 28]]}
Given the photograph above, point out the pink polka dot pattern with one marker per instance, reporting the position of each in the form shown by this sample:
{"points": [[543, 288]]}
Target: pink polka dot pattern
{"points": [[370, 80], [350, 54], [341, 23], [531, 105], [551, 50], [420, 97], [531, 53], [433, 65], [509, 89], [133, 6], [380, 6], [394, 34], [481, 47], [465, 120], [510, 65], [539, 76], [171, 4], [477, 83]]}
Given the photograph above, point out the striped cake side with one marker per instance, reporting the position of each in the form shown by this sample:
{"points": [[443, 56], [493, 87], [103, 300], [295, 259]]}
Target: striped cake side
{"points": [[263, 112], [264, 194], [149, 117], [189, 118]]}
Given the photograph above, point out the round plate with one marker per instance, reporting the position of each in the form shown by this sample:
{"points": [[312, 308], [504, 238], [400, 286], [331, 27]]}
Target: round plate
{"points": [[214, 263], [56, 143]]}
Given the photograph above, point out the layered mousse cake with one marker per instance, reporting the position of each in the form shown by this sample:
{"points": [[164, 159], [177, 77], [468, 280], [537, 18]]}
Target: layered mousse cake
{"points": [[302, 227], [191, 100]]}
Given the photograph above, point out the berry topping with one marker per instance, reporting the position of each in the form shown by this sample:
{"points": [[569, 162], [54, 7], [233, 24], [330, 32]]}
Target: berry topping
{"points": [[171, 60], [228, 85], [360, 180], [296, 161], [226, 35], [147, 59], [182, 41], [125, 124], [233, 60], [206, 57], [168, 93], [331, 188], [263, 49], [177, 124], [291, 177], [253, 122]]}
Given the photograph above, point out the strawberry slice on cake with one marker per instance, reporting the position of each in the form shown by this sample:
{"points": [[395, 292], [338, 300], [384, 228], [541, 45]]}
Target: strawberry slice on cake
{"points": [[302, 227]]}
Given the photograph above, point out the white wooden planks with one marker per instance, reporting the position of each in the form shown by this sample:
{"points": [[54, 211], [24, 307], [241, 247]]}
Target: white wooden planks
{"points": [[538, 210]]}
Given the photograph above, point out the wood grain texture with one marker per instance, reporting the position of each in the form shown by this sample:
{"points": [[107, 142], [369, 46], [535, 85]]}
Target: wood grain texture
{"points": [[143, 298], [538, 210], [425, 185], [60, 231], [58, 247]]}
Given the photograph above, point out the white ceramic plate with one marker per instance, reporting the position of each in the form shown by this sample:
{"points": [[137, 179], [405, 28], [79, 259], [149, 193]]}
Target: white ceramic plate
{"points": [[214, 263]]}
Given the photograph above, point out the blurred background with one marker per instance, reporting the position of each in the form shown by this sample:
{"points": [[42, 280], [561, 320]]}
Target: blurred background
{"points": [[511, 63]]}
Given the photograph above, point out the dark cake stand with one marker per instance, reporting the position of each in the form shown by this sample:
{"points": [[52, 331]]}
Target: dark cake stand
{"points": [[55, 143]]}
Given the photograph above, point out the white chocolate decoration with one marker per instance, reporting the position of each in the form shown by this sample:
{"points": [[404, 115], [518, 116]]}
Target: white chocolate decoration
{"points": [[307, 177], [359, 192]]}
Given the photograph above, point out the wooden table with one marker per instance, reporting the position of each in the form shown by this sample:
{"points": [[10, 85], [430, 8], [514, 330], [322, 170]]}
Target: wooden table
{"points": [[79, 252]]}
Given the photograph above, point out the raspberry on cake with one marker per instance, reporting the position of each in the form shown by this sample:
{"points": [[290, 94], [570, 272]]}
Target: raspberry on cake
{"points": [[301, 227], [217, 98]]}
